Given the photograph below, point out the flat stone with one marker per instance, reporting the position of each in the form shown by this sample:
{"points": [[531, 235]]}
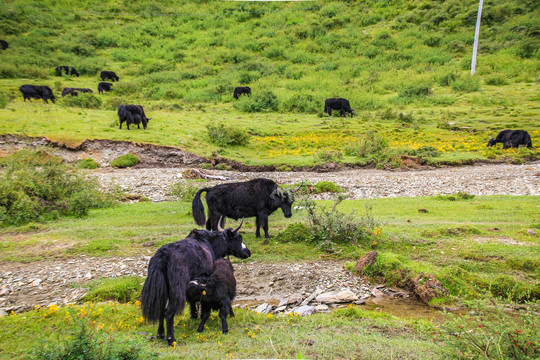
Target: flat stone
{"points": [[377, 293], [263, 308], [280, 309], [303, 310], [340, 296]]}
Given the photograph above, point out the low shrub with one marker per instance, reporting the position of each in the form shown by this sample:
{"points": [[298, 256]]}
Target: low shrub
{"points": [[87, 164], [329, 227], [122, 289], [296, 232], [325, 156], [424, 152], [491, 333], [184, 190], [327, 186], [224, 135], [222, 167], [466, 84], [87, 343], [415, 90], [36, 186], [496, 80], [124, 161], [301, 103], [3, 101], [263, 101], [370, 144], [83, 100], [455, 197]]}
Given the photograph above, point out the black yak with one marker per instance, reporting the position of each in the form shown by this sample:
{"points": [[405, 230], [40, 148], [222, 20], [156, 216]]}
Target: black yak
{"points": [[111, 75], [338, 104], [215, 292], [132, 114], [241, 90], [68, 70], [258, 197], [75, 91], [104, 86], [174, 265], [37, 92], [4, 44], [512, 139]]}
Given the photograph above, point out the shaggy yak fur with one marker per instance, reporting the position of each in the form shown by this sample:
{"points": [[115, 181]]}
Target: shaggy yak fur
{"points": [[512, 139], [37, 92], [240, 90], [68, 70], [214, 293], [258, 197], [110, 75], [174, 265], [132, 114], [338, 104], [104, 86]]}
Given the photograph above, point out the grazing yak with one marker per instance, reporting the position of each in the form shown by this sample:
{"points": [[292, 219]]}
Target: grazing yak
{"points": [[215, 292], [512, 139], [4, 44], [111, 75], [174, 265], [241, 90], [338, 104], [75, 91], [68, 70], [132, 114], [258, 197], [37, 92], [104, 86]]}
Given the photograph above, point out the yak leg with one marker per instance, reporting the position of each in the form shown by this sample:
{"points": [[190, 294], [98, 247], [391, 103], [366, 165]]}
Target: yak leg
{"points": [[265, 227], [231, 312], [193, 311], [161, 329], [223, 312], [205, 314], [259, 224], [171, 309]]}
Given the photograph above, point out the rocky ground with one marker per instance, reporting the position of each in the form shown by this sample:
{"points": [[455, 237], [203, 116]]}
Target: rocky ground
{"points": [[304, 287]]}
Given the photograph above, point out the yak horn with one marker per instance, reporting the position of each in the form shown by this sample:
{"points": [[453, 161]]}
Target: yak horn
{"points": [[219, 224], [298, 188], [239, 226]]}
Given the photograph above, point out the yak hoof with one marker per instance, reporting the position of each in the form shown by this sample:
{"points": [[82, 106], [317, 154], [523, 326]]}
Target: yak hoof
{"points": [[160, 336], [171, 341]]}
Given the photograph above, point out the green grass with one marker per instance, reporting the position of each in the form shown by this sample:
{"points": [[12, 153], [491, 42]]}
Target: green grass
{"points": [[359, 333], [385, 58]]}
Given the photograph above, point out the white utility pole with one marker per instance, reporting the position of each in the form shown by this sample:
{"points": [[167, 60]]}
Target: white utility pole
{"points": [[476, 34]]}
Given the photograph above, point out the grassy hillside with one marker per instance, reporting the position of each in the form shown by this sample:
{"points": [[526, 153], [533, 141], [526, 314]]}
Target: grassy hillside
{"points": [[404, 65]]}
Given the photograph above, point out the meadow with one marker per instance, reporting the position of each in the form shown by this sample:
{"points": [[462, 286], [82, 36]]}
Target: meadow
{"points": [[404, 66]]}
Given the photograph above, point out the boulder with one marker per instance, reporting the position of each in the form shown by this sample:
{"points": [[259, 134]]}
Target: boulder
{"points": [[340, 296], [303, 310], [427, 287], [367, 260]]}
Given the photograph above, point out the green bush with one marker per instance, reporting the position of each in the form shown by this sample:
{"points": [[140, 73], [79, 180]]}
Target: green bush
{"points": [[301, 103], [496, 80], [263, 101], [491, 333], [455, 197], [325, 156], [83, 100], [370, 144], [3, 101], [447, 79], [224, 135], [327, 186], [36, 186], [424, 152], [122, 289], [84, 342], [125, 161], [296, 232], [466, 84], [328, 227], [87, 164], [184, 190], [415, 90]]}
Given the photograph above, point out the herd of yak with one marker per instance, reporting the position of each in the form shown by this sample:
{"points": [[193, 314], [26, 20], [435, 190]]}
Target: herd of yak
{"points": [[194, 270]]}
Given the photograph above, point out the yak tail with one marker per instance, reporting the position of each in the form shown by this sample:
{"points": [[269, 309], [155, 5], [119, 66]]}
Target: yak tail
{"points": [[197, 208], [154, 292]]}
